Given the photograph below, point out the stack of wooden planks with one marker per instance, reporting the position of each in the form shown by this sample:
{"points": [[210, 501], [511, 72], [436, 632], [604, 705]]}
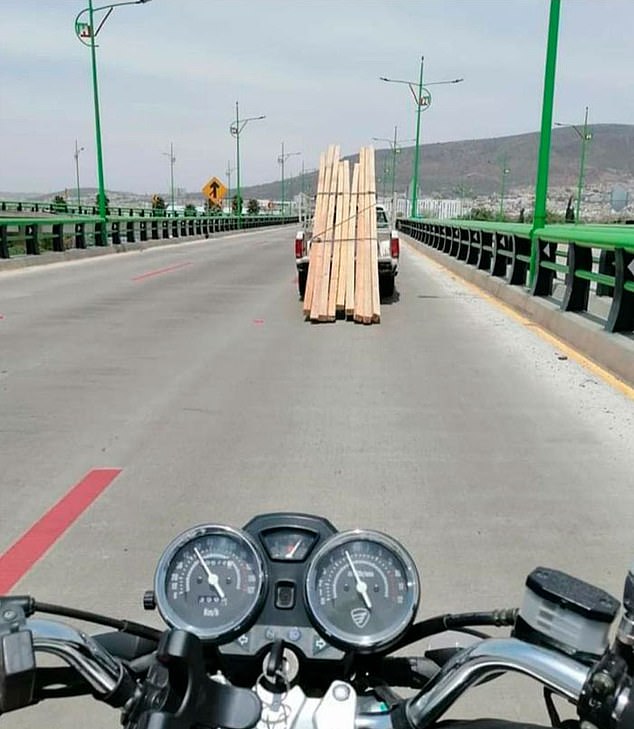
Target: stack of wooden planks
{"points": [[343, 276]]}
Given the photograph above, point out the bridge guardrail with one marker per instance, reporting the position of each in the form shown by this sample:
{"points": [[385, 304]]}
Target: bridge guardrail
{"points": [[586, 257], [69, 209], [32, 236]]}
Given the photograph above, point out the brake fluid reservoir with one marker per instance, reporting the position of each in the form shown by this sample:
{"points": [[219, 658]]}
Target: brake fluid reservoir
{"points": [[561, 612]]}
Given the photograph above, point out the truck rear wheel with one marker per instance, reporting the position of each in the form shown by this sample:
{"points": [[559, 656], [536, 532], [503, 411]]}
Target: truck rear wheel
{"points": [[386, 286], [302, 277]]}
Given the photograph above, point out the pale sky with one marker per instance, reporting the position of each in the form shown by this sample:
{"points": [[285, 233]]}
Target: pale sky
{"points": [[171, 71]]}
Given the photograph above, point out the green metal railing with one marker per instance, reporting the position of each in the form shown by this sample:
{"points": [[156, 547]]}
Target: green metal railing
{"points": [[53, 208], [32, 236], [586, 258]]}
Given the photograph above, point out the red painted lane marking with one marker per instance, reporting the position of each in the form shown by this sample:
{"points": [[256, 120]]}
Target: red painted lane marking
{"points": [[1, 316], [159, 271], [258, 322], [37, 540]]}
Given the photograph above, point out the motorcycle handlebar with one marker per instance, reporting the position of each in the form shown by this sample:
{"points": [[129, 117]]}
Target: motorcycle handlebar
{"points": [[111, 682]]}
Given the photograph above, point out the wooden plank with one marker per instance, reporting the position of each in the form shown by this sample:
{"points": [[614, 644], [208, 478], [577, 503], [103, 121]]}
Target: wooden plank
{"points": [[367, 244], [323, 314], [335, 271], [359, 288], [315, 264], [310, 281], [319, 308], [340, 298], [352, 243], [374, 269]]}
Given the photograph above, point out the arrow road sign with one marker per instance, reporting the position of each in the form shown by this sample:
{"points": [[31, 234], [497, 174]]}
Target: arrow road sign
{"points": [[214, 190]]}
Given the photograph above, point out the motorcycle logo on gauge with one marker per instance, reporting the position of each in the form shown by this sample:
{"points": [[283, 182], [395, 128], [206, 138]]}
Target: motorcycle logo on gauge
{"points": [[360, 617]]}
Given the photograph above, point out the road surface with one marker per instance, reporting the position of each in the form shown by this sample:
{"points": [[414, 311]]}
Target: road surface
{"points": [[450, 425]]}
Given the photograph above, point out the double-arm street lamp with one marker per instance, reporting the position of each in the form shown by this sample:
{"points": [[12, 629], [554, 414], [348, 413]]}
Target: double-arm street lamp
{"points": [[87, 34], [422, 97], [170, 154], [78, 149], [396, 150], [281, 160], [235, 130], [585, 137]]}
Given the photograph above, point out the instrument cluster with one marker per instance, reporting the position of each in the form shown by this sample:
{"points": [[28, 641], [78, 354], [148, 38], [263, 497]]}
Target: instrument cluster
{"points": [[290, 577]]}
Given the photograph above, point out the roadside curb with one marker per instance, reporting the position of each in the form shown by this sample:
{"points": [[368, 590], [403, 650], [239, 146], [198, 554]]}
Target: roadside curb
{"points": [[614, 352]]}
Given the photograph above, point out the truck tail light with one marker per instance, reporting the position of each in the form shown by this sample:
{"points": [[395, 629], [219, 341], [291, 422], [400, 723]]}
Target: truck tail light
{"points": [[299, 246], [395, 247]]}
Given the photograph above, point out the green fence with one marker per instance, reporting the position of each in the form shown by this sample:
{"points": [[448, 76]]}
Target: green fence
{"points": [[32, 236], [586, 258], [67, 208]]}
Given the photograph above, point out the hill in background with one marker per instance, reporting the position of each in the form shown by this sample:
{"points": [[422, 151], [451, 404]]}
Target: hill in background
{"points": [[475, 164], [469, 168]]}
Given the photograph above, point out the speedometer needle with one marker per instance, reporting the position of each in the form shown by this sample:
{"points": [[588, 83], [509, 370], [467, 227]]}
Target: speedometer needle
{"points": [[212, 578], [362, 587]]}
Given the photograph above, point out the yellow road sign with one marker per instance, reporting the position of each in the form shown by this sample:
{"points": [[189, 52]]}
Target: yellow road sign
{"points": [[214, 190]]}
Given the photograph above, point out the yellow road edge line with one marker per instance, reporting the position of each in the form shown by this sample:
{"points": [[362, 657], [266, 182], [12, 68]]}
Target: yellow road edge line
{"points": [[566, 349]]}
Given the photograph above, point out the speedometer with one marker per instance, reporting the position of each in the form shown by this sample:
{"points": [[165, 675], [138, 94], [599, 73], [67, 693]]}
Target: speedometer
{"points": [[210, 581], [362, 590]]}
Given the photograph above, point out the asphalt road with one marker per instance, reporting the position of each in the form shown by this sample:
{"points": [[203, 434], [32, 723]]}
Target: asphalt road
{"points": [[450, 425]]}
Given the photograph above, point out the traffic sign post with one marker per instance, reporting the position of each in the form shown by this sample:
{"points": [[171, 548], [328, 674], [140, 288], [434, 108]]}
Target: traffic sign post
{"points": [[214, 190]]}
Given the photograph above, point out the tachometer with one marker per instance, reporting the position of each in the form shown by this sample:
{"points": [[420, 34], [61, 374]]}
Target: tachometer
{"points": [[362, 590], [211, 581]]}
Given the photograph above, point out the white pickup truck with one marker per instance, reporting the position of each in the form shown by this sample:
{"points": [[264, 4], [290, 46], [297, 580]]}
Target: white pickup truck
{"points": [[389, 251]]}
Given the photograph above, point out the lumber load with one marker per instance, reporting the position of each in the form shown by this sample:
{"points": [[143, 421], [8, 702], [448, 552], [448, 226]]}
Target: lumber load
{"points": [[343, 276]]}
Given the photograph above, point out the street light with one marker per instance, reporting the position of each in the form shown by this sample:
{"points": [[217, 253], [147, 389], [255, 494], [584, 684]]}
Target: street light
{"points": [[504, 171], [395, 151], [282, 160], [422, 97], [170, 154], [77, 151], [304, 208], [585, 136], [84, 31], [230, 169], [235, 130]]}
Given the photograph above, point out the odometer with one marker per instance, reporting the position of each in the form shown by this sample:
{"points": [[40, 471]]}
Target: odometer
{"points": [[362, 590], [210, 581]]}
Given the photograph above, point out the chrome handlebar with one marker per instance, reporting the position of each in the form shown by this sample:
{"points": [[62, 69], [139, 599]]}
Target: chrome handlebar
{"points": [[556, 671], [78, 650]]}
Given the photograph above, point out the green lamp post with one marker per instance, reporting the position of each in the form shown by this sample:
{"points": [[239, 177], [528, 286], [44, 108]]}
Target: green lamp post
{"points": [[396, 150], [170, 154], [504, 171], [282, 161], [422, 98], [543, 158], [229, 171], [585, 137], [78, 150], [87, 34], [236, 130]]}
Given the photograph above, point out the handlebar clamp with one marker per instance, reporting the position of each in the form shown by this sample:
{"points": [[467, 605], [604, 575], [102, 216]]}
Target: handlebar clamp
{"points": [[607, 698], [17, 657]]}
